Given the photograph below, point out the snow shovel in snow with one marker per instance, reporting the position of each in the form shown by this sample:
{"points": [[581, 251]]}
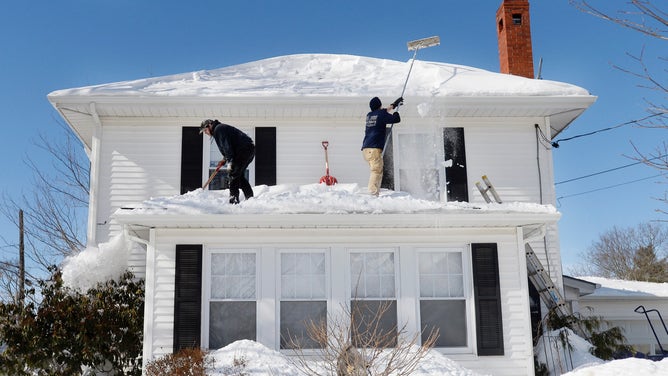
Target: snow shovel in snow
{"points": [[414, 45], [327, 179]]}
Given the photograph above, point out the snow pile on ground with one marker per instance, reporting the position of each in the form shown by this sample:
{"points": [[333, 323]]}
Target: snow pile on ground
{"points": [[559, 360], [258, 360], [317, 198], [97, 264], [624, 367], [550, 351], [333, 75]]}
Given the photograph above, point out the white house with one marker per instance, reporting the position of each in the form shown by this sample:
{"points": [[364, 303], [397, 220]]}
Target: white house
{"points": [[212, 278], [638, 308]]}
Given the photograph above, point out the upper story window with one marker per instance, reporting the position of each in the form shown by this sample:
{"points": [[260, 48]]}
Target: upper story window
{"points": [[432, 167]]}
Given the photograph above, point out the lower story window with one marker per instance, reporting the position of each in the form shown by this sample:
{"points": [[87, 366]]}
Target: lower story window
{"points": [[373, 306], [443, 297], [233, 307], [303, 299]]}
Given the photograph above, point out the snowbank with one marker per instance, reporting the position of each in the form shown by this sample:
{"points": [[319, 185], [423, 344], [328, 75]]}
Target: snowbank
{"points": [[259, 360], [317, 198]]}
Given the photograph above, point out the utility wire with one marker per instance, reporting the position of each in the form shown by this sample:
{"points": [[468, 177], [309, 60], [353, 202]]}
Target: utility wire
{"points": [[608, 187], [556, 143], [610, 170]]}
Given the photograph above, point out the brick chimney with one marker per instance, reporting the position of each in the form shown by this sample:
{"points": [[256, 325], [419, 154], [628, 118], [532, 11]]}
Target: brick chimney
{"points": [[514, 33]]}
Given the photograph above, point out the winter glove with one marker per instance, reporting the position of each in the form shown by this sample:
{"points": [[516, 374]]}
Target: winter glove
{"points": [[398, 102]]}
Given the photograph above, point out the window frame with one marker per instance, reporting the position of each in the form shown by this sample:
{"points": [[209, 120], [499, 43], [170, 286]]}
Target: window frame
{"points": [[469, 298], [278, 278], [209, 144], [207, 286], [396, 297], [436, 135]]}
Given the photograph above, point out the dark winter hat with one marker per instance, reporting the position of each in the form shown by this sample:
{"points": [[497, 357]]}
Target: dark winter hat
{"points": [[205, 124], [375, 104]]}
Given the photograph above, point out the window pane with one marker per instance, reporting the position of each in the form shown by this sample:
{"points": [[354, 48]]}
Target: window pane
{"points": [[443, 277], [295, 319], [233, 276], [303, 275], [231, 321], [449, 317], [373, 323], [372, 275]]}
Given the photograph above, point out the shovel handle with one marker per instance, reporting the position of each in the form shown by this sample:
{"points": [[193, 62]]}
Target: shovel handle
{"points": [[325, 144]]}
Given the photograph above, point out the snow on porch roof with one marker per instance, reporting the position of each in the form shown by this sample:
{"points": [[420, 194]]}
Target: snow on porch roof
{"points": [[319, 205]]}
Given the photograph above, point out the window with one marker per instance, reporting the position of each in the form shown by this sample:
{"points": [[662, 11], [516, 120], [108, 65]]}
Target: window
{"points": [[418, 170], [232, 305], [443, 297], [303, 297], [373, 305], [432, 170], [212, 156]]}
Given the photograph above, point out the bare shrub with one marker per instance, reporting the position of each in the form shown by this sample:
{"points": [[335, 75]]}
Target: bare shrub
{"points": [[355, 343], [186, 362]]}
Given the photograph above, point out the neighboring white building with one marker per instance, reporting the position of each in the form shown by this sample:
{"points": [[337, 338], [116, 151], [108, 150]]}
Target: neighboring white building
{"points": [[629, 305], [215, 278]]}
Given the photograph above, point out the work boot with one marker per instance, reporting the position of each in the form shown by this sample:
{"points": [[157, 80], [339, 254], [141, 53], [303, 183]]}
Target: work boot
{"points": [[234, 200]]}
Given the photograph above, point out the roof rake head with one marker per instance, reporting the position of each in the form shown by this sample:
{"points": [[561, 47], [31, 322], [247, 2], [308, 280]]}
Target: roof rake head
{"points": [[423, 43]]}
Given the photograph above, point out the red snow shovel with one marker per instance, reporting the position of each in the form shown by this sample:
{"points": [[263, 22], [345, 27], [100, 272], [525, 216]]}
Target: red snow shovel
{"points": [[327, 179]]}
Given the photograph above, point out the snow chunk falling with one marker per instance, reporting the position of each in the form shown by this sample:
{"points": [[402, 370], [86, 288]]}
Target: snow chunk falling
{"points": [[97, 264]]}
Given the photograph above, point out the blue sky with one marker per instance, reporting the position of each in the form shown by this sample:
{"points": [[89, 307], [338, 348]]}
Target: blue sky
{"points": [[71, 43]]}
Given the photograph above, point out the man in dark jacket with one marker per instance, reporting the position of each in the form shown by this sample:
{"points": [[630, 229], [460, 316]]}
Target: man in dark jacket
{"points": [[238, 152], [374, 139]]}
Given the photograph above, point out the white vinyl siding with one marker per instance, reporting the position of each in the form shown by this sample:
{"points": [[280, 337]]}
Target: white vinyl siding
{"points": [[137, 163]]}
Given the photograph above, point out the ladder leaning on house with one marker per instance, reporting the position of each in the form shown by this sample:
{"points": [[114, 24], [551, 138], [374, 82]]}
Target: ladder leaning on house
{"points": [[538, 276]]}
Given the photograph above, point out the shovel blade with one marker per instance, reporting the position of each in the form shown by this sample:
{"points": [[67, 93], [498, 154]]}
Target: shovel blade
{"points": [[424, 43], [328, 180]]}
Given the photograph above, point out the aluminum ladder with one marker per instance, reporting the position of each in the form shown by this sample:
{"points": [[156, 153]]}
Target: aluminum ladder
{"points": [[538, 276]]}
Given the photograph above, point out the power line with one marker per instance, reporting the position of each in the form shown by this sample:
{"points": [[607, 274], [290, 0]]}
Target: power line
{"points": [[608, 187], [556, 143], [610, 170]]}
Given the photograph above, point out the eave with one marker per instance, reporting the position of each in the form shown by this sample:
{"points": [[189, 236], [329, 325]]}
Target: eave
{"points": [[449, 219]]}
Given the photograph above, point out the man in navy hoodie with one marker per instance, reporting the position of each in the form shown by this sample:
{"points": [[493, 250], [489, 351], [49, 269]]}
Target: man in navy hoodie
{"points": [[238, 152], [374, 139]]}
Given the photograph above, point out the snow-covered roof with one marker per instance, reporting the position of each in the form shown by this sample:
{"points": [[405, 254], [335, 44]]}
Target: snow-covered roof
{"points": [[617, 288], [329, 75], [322, 85], [319, 205]]}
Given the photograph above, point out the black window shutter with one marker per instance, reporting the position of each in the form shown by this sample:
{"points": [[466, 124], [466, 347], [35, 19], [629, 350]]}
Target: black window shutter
{"points": [[191, 159], [188, 296], [487, 295], [455, 174], [265, 155]]}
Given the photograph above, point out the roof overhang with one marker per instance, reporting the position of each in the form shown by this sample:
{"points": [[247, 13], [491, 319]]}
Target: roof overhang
{"points": [[436, 220]]}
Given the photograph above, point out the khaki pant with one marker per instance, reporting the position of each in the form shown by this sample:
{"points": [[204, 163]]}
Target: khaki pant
{"points": [[375, 159]]}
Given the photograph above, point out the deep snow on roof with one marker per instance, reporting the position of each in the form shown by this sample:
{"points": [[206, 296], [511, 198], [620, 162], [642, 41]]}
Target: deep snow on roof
{"points": [[318, 199], [332, 75]]}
